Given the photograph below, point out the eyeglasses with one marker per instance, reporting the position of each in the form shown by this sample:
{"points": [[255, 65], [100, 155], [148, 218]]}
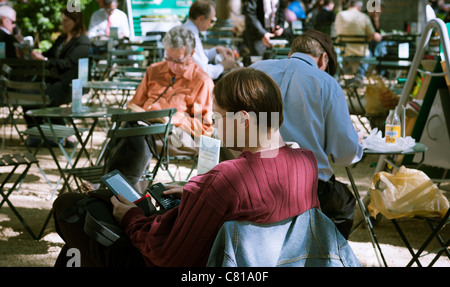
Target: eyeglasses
{"points": [[213, 20], [12, 21], [177, 61]]}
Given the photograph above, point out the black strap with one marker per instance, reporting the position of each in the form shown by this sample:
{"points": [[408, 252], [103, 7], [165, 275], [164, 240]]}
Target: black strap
{"points": [[165, 91]]}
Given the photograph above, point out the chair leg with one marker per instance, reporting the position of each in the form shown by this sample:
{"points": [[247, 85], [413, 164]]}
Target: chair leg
{"points": [[444, 245], [432, 235], [408, 245], [373, 237], [9, 203], [444, 249]]}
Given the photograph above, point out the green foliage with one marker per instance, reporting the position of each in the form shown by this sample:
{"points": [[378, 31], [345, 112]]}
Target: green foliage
{"points": [[41, 17]]}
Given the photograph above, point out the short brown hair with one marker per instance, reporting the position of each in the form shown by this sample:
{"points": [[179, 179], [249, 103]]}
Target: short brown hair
{"points": [[200, 8], [250, 90], [307, 45]]}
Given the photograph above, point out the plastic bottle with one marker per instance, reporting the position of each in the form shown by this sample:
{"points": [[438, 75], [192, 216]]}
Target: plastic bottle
{"points": [[77, 96], [393, 127]]}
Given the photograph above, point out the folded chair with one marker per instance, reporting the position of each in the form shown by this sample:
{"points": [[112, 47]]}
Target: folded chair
{"points": [[436, 232], [120, 130], [15, 161]]}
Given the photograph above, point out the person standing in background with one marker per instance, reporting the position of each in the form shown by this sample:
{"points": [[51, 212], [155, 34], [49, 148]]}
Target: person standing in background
{"points": [[353, 22], [325, 18], [264, 20]]}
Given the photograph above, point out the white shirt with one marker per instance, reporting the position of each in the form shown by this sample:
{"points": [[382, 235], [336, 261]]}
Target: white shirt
{"points": [[99, 22], [270, 9], [202, 57], [354, 22]]}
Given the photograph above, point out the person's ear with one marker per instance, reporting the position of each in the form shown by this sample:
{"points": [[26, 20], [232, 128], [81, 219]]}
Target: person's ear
{"points": [[322, 62], [200, 18], [243, 117]]}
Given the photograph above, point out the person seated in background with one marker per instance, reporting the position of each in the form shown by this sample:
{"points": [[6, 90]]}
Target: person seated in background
{"points": [[202, 15], [101, 23], [177, 82], [353, 22], [62, 59], [7, 24], [258, 186], [106, 18]]}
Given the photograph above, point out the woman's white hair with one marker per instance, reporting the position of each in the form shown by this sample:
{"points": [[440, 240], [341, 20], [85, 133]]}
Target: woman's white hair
{"points": [[179, 37], [7, 11]]}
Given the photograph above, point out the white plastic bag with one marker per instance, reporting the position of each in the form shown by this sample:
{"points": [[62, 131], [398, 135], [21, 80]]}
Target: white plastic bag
{"points": [[408, 193]]}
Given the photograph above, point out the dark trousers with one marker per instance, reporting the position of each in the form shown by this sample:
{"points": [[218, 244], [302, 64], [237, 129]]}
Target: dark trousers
{"points": [[91, 252], [338, 203]]}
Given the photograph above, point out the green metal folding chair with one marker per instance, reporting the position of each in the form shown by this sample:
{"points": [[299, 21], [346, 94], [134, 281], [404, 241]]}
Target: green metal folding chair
{"points": [[28, 92], [119, 130], [436, 225], [15, 161]]}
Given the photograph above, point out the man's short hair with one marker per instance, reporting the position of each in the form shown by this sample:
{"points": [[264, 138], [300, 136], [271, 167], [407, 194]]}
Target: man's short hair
{"points": [[315, 43], [355, 3], [252, 91], [201, 8], [7, 11], [106, 3], [179, 37], [307, 45]]}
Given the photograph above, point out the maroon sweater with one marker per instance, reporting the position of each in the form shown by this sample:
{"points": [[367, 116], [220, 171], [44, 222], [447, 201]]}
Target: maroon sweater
{"points": [[251, 188]]}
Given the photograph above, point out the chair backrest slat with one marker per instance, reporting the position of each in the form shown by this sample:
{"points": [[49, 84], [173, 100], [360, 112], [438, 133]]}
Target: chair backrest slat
{"points": [[24, 82], [141, 130], [142, 116], [23, 86]]}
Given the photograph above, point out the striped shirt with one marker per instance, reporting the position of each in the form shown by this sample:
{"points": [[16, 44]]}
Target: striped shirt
{"points": [[263, 189]]}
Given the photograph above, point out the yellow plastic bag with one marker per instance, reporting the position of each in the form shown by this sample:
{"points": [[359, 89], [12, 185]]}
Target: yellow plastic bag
{"points": [[407, 193], [379, 98]]}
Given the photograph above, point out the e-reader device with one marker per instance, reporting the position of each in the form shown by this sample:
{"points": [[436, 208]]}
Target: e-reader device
{"points": [[118, 183]]}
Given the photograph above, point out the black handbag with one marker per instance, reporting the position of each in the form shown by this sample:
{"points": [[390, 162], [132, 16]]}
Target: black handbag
{"points": [[96, 210]]}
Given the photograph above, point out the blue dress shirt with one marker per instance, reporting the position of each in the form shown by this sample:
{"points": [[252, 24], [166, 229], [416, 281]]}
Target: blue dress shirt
{"points": [[315, 111]]}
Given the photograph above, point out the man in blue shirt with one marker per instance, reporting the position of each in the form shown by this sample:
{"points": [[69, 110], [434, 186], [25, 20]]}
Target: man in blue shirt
{"points": [[316, 116]]}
